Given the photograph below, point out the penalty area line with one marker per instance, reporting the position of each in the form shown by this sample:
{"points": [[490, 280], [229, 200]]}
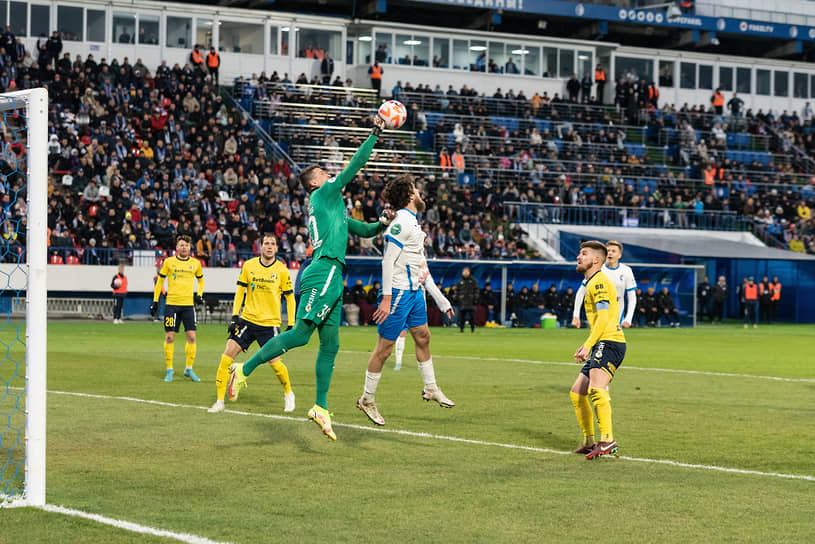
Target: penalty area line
{"points": [[129, 525], [628, 367], [679, 464]]}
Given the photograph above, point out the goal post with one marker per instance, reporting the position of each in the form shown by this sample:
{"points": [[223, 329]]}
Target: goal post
{"points": [[24, 169]]}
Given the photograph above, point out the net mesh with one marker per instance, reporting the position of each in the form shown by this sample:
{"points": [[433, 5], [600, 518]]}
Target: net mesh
{"points": [[13, 282]]}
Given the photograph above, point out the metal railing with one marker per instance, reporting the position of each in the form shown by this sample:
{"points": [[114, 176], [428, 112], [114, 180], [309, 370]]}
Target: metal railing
{"points": [[288, 131], [634, 134], [734, 140], [114, 256], [318, 112], [665, 218], [269, 143], [438, 102], [69, 307], [590, 171], [602, 151]]}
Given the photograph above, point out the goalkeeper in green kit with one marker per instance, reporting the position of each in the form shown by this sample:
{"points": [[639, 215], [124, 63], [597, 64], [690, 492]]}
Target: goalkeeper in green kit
{"points": [[321, 283]]}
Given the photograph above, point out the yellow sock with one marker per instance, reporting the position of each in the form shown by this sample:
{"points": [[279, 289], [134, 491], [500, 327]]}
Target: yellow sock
{"points": [[168, 354], [189, 351], [602, 404], [582, 409], [282, 374], [222, 376]]}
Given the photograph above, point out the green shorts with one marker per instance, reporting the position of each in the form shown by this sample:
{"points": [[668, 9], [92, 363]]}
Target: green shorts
{"points": [[321, 292]]}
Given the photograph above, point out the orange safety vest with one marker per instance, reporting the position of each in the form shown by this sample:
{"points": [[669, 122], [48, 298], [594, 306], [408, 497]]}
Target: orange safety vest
{"points": [[600, 75], [458, 160], [653, 92], [376, 72], [212, 60], [751, 292], [718, 99], [122, 289], [709, 174], [197, 58], [444, 161], [775, 288]]}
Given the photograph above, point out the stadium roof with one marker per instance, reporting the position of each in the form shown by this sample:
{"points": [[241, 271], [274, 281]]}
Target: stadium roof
{"points": [[689, 244]]}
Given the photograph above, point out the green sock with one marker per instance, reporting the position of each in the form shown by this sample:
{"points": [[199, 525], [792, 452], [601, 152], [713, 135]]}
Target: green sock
{"points": [[279, 345], [324, 368]]}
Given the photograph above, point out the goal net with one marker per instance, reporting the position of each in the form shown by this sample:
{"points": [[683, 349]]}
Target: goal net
{"points": [[23, 254]]}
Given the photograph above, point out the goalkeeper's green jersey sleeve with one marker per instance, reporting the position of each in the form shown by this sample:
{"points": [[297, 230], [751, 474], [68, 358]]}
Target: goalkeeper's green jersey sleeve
{"points": [[327, 215]]}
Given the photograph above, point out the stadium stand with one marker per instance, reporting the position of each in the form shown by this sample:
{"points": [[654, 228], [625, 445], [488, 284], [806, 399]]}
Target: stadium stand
{"points": [[137, 155]]}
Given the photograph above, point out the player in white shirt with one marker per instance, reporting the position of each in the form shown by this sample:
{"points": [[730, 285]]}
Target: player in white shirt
{"points": [[402, 302], [624, 282]]}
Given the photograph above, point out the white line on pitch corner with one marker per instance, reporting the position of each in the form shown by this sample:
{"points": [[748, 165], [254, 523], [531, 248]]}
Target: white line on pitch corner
{"points": [[714, 468], [625, 366], [129, 525]]}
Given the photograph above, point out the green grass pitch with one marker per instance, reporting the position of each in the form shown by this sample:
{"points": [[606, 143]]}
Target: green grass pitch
{"points": [[245, 478]]}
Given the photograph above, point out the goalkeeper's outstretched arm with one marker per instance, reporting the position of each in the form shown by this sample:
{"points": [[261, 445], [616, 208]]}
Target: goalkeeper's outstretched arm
{"points": [[358, 160]]}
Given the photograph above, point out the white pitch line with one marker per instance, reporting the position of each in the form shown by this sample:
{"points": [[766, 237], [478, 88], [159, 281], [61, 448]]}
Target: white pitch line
{"points": [[129, 525], [625, 366], [453, 438]]}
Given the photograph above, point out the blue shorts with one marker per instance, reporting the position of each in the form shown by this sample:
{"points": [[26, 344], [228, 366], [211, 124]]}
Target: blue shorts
{"points": [[408, 309]]}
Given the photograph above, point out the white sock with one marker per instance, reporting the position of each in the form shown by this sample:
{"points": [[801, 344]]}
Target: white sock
{"points": [[400, 349], [371, 381], [428, 375]]}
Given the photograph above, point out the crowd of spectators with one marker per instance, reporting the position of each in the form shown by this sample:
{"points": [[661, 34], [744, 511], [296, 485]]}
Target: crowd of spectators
{"points": [[582, 158], [138, 155]]}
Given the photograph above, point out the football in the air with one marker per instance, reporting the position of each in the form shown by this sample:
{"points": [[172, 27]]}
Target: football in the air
{"points": [[117, 283], [393, 113]]}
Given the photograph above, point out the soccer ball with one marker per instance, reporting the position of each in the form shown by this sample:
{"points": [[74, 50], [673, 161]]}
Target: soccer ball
{"points": [[393, 113], [117, 283]]}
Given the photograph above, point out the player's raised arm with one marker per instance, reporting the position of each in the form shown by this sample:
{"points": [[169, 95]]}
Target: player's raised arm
{"points": [[358, 160]]}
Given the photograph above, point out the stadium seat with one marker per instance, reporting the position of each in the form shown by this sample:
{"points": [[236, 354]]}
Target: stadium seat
{"points": [[56, 259], [73, 259]]}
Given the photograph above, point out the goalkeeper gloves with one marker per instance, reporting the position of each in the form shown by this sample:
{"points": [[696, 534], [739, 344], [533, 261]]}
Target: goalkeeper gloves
{"points": [[154, 309], [387, 215], [198, 300], [234, 325], [379, 125]]}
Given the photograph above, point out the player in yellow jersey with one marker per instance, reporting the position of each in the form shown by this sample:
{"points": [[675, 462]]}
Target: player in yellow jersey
{"points": [[256, 316], [602, 353], [181, 272]]}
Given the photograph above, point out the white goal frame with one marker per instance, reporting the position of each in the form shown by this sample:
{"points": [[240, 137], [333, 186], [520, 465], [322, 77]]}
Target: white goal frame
{"points": [[35, 104]]}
